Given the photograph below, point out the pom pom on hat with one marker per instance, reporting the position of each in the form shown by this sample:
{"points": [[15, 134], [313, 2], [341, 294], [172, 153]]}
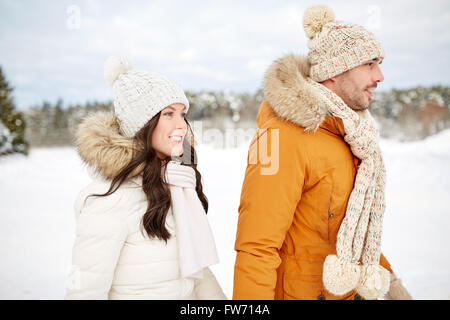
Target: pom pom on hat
{"points": [[115, 66], [315, 17]]}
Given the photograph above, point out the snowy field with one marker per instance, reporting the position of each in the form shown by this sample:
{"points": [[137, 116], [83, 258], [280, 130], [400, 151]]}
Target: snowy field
{"points": [[37, 220]]}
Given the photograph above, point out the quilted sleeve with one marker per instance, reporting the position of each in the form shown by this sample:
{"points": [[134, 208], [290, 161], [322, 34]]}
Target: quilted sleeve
{"points": [[101, 230]]}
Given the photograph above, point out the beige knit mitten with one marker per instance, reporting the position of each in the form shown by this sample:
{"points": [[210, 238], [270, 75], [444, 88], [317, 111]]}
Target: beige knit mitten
{"points": [[397, 291], [208, 288]]}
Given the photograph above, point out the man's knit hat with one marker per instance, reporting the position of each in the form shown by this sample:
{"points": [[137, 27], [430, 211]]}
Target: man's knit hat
{"points": [[139, 95], [336, 46]]}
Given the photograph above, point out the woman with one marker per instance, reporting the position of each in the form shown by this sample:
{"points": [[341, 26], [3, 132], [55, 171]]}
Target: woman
{"points": [[142, 231]]}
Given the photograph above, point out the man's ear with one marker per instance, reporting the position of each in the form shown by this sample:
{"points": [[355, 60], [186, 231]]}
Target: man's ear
{"points": [[329, 83], [333, 79]]}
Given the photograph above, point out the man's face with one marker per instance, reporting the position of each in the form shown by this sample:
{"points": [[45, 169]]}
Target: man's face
{"points": [[355, 86]]}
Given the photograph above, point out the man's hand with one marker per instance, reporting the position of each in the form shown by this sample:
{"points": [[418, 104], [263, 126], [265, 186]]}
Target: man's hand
{"points": [[397, 291]]}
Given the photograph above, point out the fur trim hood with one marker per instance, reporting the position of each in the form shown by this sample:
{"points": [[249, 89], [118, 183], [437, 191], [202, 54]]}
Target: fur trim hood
{"points": [[102, 147], [291, 96]]}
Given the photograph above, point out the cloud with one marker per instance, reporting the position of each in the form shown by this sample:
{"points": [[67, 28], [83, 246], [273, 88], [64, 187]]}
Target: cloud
{"points": [[224, 45]]}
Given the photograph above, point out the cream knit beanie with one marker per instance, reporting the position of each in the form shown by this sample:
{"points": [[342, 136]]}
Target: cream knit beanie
{"points": [[139, 95], [336, 46]]}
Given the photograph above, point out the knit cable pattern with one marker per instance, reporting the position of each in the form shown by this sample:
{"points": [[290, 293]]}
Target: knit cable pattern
{"points": [[358, 246]]}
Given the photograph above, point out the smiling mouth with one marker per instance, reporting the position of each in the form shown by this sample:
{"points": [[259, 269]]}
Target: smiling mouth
{"points": [[176, 139], [369, 93]]}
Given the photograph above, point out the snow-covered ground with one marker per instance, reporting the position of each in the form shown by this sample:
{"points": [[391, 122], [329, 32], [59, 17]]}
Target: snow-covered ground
{"points": [[37, 220]]}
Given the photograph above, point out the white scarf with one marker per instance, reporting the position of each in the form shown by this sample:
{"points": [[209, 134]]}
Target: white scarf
{"points": [[356, 265], [196, 246]]}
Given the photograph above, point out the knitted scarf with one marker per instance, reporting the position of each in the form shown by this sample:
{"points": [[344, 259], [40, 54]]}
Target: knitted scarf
{"points": [[358, 247], [196, 246]]}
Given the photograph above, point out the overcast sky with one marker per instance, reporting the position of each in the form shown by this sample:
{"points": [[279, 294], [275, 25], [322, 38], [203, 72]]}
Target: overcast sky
{"points": [[51, 49]]}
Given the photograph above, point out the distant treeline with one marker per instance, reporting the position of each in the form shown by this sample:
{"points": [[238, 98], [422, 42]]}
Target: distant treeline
{"points": [[402, 114], [54, 124]]}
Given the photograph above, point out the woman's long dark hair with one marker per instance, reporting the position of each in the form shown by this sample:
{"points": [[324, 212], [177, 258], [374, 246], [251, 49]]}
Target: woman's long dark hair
{"points": [[155, 188]]}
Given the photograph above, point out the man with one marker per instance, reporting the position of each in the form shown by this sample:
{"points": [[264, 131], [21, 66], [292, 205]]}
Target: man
{"points": [[310, 228]]}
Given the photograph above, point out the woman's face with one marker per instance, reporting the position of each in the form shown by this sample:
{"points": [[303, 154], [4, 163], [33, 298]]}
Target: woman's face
{"points": [[168, 136]]}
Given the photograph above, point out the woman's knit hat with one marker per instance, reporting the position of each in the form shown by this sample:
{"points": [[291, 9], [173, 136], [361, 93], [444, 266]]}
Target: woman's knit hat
{"points": [[139, 95], [336, 46]]}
